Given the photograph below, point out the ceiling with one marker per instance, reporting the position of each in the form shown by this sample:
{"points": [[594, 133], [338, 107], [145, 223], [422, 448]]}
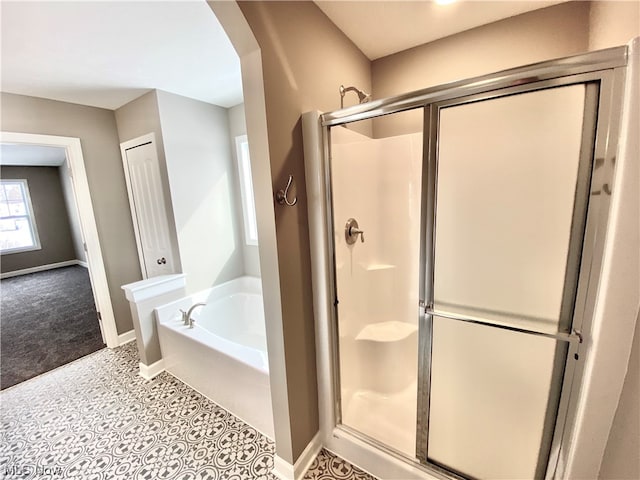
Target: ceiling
{"points": [[380, 28], [31, 155], [105, 54]]}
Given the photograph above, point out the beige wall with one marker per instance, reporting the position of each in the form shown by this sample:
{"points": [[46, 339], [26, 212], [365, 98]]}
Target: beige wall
{"points": [[140, 117], [52, 219], [613, 23], [96, 128], [305, 58], [552, 32]]}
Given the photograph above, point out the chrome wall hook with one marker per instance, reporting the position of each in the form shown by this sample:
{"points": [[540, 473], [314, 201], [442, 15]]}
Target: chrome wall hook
{"points": [[282, 195]]}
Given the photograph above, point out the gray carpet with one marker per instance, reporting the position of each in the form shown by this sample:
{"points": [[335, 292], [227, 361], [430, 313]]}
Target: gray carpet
{"points": [[47, 319]]}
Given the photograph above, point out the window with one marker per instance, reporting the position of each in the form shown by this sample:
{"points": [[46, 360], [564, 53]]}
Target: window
{"points": [[18, 231], [246, 191]]}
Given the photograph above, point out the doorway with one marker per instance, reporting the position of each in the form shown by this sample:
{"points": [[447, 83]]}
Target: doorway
{"points": [[49, 316], [85, 273]]}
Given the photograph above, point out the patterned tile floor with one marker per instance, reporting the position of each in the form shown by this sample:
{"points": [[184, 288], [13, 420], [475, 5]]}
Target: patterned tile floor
{"points": [[97, 419]]}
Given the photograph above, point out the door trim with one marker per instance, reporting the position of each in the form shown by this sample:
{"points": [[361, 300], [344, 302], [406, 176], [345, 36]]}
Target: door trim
{"points": [[87, 218]]}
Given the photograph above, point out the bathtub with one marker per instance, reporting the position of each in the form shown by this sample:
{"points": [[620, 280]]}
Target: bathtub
{"points": [[224, 355]]}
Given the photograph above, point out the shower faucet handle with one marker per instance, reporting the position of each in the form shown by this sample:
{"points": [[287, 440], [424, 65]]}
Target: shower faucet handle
{"points": [[351, 232], [355, 231]]}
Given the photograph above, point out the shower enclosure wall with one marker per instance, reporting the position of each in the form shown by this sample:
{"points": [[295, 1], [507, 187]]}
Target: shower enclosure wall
{"points": [[377, 277], [455, 267]]}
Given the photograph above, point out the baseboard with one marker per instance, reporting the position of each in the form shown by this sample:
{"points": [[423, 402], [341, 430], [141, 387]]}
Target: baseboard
{"points": [[39, 268], [126, 337], [148, 372], [285, 471], [82, 264]]}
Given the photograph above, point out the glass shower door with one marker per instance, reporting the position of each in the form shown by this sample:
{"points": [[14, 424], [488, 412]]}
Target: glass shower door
{"points": [[509, 204], [376, 191]]}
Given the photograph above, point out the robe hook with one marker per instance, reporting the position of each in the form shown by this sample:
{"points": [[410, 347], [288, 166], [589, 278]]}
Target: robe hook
{"points": [[282, 195]]}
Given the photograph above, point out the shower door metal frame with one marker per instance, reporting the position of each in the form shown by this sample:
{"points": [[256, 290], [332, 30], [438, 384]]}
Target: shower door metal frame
{"points": [[605, 68], [576, 279]]}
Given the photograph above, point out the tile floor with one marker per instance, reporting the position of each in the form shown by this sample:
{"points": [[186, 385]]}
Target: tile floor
{"points": [[97, 419]]}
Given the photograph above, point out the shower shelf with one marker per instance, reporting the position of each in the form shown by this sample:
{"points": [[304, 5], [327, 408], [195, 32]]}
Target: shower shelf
{"points": [[391, 331], [378, 266]]}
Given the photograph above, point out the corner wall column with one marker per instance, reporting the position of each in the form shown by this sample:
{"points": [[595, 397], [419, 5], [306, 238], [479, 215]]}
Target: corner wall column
{"points": [[144, 296]]}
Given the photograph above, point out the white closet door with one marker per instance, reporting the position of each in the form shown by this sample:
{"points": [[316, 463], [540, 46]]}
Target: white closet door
{"points": [[151, 221]]}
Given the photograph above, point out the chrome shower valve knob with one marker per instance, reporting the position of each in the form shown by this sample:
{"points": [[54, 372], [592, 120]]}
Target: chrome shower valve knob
{"points": [[351, 232]]}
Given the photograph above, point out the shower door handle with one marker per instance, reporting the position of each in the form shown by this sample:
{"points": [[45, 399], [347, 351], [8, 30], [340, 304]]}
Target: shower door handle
{"points": [[574, 336]]}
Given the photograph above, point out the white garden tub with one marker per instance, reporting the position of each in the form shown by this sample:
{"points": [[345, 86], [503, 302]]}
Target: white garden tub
{"points": [[224, 355]]}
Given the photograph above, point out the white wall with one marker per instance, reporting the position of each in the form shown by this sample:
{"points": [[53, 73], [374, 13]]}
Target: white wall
{"points": [[377, 282], [614, 23], [621, 459], [203, 191], [237, 127]]}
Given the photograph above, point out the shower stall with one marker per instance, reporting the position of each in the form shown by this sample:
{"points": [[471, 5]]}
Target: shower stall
{"points": [[456, 237]]}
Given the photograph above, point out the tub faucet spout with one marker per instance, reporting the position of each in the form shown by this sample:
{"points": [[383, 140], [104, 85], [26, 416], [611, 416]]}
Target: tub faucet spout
{"points": [[187, 316]]}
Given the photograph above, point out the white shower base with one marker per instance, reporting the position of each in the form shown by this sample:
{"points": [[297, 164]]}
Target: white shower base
{"points": [[397, 430]]}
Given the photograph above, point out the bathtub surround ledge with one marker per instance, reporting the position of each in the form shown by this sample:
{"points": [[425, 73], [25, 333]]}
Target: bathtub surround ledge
{"points": [[285, 471], [144, 296]]}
